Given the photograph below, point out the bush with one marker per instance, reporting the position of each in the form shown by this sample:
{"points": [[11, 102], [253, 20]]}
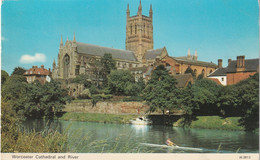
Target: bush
{"points": [[133, 98]]}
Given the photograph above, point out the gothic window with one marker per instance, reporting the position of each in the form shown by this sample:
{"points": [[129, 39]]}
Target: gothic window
{"points": [[131, 29], [135, 29], [66, 62], [210, 71], [148, 31], [144, 29]]}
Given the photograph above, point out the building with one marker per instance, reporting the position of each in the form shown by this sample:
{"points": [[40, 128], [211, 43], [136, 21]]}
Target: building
{"points": [[76, 58], [236, 71], [40, 74], [219, 74]]}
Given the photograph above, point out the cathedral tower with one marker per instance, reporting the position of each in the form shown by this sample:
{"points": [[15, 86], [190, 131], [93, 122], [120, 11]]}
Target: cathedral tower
{"points": [[139, 32]]}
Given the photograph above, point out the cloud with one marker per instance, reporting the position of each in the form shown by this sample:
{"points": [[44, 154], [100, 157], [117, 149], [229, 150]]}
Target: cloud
{"points": [[38, 57], [4, 39]]}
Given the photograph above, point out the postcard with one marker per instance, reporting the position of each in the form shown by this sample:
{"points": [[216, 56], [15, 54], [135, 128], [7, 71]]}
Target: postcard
{"points": [[130, 79]]}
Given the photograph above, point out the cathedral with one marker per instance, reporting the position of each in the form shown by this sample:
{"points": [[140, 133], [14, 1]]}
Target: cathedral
{"points": [[77, 58]]}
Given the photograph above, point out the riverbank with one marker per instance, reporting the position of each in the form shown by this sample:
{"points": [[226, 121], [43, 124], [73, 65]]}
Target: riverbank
{"points": [[211, 122], [97, 117], [203, 122]]}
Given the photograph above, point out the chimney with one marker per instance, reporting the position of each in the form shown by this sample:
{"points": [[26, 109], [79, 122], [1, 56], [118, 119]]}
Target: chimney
{"points": [[219, 63], [229, 61], [42, 66], [240, 63]]}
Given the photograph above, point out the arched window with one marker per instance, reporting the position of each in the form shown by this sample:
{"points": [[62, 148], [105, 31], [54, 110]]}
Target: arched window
{"points": [[148, 31], [131, 29], [135, 29], [144, 29]]}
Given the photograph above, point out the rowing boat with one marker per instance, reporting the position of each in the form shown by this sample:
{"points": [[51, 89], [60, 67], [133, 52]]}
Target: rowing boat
{"points": [[172, 147]]}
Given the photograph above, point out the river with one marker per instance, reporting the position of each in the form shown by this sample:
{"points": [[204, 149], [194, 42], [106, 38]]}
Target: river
{"points": [[89, 137]]}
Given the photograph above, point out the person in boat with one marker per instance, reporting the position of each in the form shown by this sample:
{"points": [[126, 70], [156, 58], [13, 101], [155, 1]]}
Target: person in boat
{"points": [[170, 143]]}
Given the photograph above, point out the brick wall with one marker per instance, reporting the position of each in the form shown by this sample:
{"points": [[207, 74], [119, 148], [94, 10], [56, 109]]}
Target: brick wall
{"points": [[233, 78]]}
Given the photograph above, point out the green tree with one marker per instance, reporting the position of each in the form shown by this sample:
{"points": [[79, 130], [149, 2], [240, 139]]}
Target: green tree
{"points": [[141, 83], [18, 71], [107, 65], [14, 90], [122, 82], [82, 79], [161, 91], [205, 97], [242, 100], [44, 100], [4, 76], [187, 100]]}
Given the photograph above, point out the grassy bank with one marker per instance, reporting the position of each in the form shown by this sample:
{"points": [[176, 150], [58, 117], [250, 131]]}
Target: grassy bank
{"points": [[211, 122], [97, 117]]}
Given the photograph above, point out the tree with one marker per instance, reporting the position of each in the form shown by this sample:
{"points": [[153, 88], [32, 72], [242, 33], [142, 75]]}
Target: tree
{"points": [[82, 79], [13, 91], [141, 83], [242, 100], [18, 71], [44, 100], [161, 91], [205, 97], [187, 100], [4, 76], [122, 82], [107, 65]]}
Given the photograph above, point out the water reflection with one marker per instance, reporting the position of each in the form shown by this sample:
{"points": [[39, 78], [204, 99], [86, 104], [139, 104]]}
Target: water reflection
{"points": [[209, 140]]}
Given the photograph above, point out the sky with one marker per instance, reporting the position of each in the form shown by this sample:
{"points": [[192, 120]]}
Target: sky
{"points": [[218, 29]]}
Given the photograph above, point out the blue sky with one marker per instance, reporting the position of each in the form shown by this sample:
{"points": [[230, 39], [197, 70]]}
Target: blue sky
{"points": [[217, 29]]}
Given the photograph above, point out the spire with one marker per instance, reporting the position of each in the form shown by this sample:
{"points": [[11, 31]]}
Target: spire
{"points": [[67, 38], [128, 10], [140, 8], [61, 42], [195, 55], [188, 52], [151, 11], [74, 42], [53, 64], [74, 39]]}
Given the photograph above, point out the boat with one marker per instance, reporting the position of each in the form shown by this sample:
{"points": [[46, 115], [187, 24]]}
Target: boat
{"points": [[141, 121], [174, 147]]}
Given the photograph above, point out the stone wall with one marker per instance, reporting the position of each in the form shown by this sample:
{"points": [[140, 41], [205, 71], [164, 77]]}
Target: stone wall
{"points": [[107, 107]]}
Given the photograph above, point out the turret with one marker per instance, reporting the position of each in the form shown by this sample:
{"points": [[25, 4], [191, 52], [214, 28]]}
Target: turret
{"points": [[189, 53], [61, 43], [151, 11], [53, 64], [195, 55], [128, 11], [74, 45], [140, 9]]}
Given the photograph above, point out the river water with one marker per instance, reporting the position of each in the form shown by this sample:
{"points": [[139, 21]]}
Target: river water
{"points": [[89, 137]]}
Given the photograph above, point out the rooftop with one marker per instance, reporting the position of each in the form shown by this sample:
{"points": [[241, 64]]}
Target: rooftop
{"points": [[95, 50]]}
